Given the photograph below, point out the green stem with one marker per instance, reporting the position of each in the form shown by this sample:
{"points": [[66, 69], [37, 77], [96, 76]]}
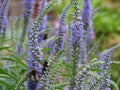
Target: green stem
{"points": [[74, 67]]}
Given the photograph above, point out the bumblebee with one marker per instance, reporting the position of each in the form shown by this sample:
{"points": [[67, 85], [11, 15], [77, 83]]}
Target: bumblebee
{"points": [[45, 36], [45, 66], [34, 75]]}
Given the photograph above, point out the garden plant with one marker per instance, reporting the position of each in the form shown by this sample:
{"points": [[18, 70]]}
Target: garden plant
{"points": [[44, 57]]}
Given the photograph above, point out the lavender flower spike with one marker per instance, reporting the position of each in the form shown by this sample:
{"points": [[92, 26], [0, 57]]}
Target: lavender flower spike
{"points": [[76, 9], [0, 3], [76, 33], [87, 19], [34, 77], [3, 16], [106, 56], [80, 78], [42, 25], [86, 13], [27, 13], [59, 43], [77, 40], [28, 8], [34, 57]]}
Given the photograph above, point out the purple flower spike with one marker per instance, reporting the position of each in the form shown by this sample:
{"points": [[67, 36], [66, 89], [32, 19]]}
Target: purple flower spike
{"points": [[86, 13], [32, 86], [106, 56], [28, 8], [83, 49], [59, 43], [80, 79], [34, 57], [0, 3], [42, 25], [34, 77], [77, 40], [34, 53], [76, 33], [3, 16], [87, 20]]}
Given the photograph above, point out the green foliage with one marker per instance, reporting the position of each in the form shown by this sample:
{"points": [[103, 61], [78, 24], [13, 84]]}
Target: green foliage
{"points": [[12, 71], [107, 19]]}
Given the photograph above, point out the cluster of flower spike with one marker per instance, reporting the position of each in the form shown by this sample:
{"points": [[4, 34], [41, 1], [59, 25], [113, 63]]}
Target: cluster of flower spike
{"points": [[80, 34], [80, 31], [3, 16]]}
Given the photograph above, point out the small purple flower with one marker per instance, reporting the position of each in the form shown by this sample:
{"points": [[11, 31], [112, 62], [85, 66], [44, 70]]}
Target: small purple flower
{"points": [[3, 16], [67, 87]]}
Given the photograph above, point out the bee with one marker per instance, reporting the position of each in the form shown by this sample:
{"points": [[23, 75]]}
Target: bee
{"points": [[45, 66], [34, 75], [45, 36]]}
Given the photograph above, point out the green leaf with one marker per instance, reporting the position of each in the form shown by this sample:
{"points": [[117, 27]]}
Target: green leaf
{"points": [[5, 83], [17, 59], [18, 85], [4, 48], [115, 62], [65, 75], [43, 49], [4, 72], [59, 53], [10, 66], [114, 85], [22, 71], [4, 77], [7, 59], [14, 59], [95, 46], [96, 70], [44, 31]]}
